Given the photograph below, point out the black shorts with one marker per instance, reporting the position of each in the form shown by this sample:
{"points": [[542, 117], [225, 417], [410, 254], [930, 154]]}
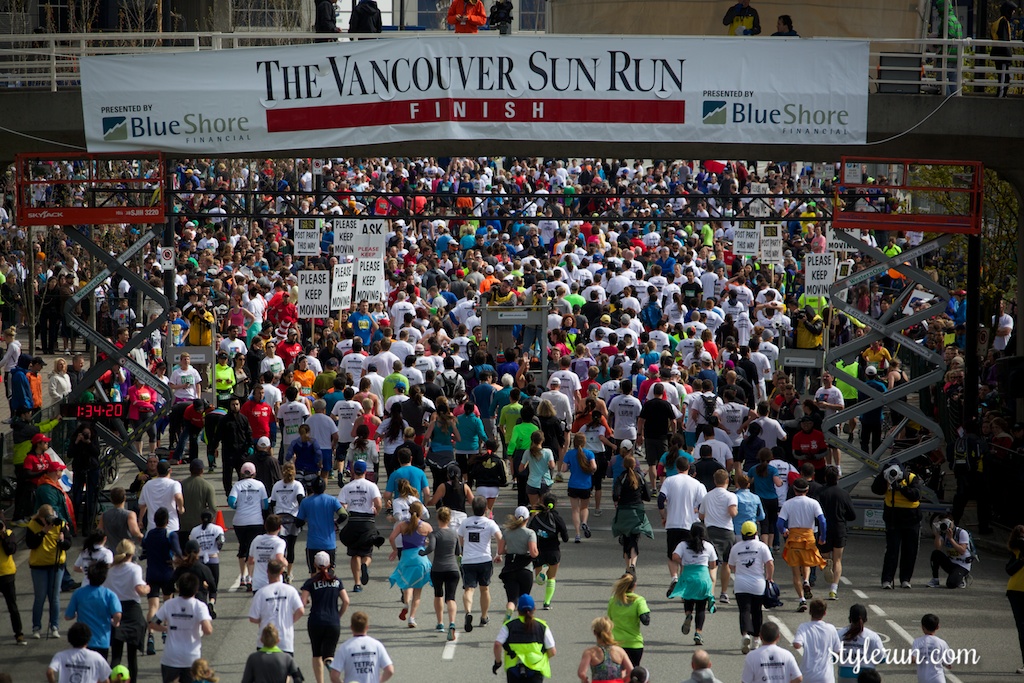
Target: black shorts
{"points": [[246, 535], [833, 541], [445, 584], [547, 557], [673, 537], [602, 471], [850, 401], [478, 574], [170, 674], [324, 640], [538, 491], [164, 588], [654, 449], [311, 553], [582, 494]]}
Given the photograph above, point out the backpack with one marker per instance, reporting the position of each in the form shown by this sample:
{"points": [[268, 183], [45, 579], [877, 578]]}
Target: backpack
{"points": [[972, 552], [966, 453], [710, 406], [650, 316], [449, 383]]}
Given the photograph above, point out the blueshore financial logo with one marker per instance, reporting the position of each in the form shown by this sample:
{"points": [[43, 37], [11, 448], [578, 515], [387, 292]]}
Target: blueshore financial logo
{"points": [[194, 127], [792, 118]]}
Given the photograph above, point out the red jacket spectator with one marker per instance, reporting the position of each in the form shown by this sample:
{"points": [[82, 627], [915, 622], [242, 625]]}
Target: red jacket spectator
{"points": [[467, 16]]}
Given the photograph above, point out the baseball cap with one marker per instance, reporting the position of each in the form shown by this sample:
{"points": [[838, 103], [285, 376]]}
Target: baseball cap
{"points": [[55, 466], [627, 444], [40, 438], [322, 559], [248, 469], [554, 381], [192, 546], [359, 467], [521, 512], [871, 371], [419, 348], [749, 528], [263, 442], [525, 603], [606, 319]]}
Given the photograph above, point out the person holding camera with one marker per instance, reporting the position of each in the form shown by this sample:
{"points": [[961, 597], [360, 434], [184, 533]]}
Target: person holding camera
{"points": [[901, 493], [48, 539], [952, 553]]}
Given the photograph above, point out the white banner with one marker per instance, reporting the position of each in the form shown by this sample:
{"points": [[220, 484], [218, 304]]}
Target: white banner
{"points": [[819, 273], [630, 89], [370, 279], [314, 294], [771, 244], [341, 289], [746, 240], [761, 208]]}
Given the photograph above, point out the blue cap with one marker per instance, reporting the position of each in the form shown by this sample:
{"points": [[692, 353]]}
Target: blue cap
{"points": [[359, 466], [526, 603]]}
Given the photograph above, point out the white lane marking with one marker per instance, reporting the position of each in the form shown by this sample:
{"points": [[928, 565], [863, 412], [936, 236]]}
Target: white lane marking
{"points": [[783, 629], [845, 581], [448, 653], [236, 584], [860, 594], [878, 610], [951, 678], [900, 630]]}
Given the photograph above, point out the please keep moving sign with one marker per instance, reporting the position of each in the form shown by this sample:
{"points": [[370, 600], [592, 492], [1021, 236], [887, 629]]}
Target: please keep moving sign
{"points": [[314, 294], [819, 273], [370, 279]]}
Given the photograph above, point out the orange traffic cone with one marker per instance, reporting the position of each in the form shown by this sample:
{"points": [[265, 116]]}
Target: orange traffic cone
{"points": [[219, 521]]}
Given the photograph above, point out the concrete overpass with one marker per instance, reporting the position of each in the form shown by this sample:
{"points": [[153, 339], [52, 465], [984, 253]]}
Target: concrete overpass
{"points": [[924, 126]]}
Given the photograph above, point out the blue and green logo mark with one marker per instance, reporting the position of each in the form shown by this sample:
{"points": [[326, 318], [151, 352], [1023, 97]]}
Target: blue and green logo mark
{"points": [[715, 112], [115, 128]]}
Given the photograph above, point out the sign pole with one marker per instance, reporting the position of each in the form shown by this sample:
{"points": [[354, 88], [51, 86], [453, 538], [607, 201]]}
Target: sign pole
{"points": [[168, 242]]}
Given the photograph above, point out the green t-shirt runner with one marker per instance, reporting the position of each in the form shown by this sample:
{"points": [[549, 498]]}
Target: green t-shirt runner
{"points": [[626, 619]]}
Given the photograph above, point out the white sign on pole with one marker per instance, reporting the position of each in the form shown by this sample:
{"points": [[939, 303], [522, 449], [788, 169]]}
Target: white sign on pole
{"points": [[370, 282], [853, 173], [819, 273], [746, 241], [360, 237], [759, 208], [318, 167], [307, 236], [167, 258], [771, 244], [835, 243], [344, 236], [314, 294], [341, 289]]}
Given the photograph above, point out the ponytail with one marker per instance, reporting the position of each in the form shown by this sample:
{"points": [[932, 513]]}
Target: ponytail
{"points": [[536, 445], [415, 512], [629, 462], [764, 457]]}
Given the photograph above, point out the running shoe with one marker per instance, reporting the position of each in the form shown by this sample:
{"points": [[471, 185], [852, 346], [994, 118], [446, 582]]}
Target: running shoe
{"points": [[542, 576], [484, 621], [586, 530], [671, 587], [468, 626], [887, 585], [401, 615], [745, 644], [686, 624], [723, 599], [546, 606], [20, 640], [934, 583], [357, 588], [698, 639], [150, 645], [364, 575], [832, 595], [904, 584], [412, 623], [598, 512], [439, 628], [577, 539], [802, 607], [451, 632], [807, 590]]}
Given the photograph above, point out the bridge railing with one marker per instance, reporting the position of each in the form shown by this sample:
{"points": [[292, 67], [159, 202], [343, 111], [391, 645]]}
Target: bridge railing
{"points": [[929, 66]]}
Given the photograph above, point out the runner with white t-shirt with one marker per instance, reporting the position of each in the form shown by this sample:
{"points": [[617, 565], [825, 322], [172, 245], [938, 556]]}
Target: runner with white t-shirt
{"points": [[78, 664], [263, 549], [752, 566], [291, 415], [248, 498], [678, 500], [162, 492], [476, 533], [819, 641], [285, 497], [361, 659], [731, 416], [770, 663], [698, 559], [277, 603], [185, 620]]}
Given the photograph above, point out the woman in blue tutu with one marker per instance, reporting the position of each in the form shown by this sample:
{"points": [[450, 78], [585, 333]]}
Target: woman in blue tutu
{"points": [[413, 570], [696, 585]]}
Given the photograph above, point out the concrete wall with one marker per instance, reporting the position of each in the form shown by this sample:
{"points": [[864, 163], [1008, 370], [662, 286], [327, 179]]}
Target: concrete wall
{"points": [[833, 18]]}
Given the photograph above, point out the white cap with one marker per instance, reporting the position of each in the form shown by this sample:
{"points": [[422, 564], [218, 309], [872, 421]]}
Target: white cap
{"points": [[489, 269], [322, 559], [627, 444], [263, 442], [521, 512], [705, 357], [248, 469], [554, 381]]}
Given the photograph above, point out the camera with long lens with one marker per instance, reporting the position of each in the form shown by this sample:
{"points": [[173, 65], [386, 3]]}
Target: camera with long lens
{"points": [[893, 474], [501, 16], [942, 526]]}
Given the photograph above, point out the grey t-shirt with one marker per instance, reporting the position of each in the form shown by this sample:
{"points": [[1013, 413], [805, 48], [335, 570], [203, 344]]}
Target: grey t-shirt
{"points": [[517, 541], [445, 544]]}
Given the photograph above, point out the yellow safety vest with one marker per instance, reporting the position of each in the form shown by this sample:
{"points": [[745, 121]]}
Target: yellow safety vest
{"points": [[895, 499], [526, 648], [225, 375]]}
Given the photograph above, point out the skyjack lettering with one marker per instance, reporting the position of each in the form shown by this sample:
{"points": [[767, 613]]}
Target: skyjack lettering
{"points": [[618, 71]]}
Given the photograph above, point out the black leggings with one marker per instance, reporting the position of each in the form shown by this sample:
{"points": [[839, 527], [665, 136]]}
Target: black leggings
{"points": [[215, 570], [630, 544], [771, 516], [1016, 599], [11, 596], [446, 585], [750, 613], [939, 560], [289, 548], [701, 605], [517, 582], [635, 654], [116, 649]]}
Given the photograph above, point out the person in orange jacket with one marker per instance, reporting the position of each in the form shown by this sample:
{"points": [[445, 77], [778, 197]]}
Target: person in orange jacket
{"points": [[35, 381], [467, 16]]}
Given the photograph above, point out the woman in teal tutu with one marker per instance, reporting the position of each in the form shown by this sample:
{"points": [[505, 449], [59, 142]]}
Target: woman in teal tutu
{"points": [[413, 570], [696, 585]]}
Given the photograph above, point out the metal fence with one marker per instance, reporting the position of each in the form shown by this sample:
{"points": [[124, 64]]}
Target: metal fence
{"points": [[930, 66]]}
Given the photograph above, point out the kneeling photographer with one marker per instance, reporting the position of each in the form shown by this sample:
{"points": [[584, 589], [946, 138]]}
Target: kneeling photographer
{"points": [[952, 552]]}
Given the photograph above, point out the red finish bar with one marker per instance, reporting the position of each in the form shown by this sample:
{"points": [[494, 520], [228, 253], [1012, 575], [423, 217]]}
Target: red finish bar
{"points": [[476, 111], [59, 215]]}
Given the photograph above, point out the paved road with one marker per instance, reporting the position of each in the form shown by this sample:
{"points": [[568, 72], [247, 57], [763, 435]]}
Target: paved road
{"points": [[975, 618]]}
